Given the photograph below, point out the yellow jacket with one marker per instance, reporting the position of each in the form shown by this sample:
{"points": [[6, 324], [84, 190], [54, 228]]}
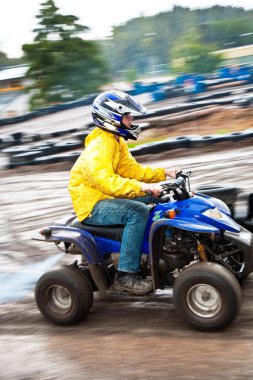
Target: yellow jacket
{"points": [[106, 169]]}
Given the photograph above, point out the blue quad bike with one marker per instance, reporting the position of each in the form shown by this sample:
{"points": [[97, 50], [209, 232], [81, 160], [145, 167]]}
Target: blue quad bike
{"points": [[191, 245]]}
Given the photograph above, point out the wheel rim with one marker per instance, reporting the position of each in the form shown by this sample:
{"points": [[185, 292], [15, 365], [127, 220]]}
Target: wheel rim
{"points": [[204, 300], [59, 299]]}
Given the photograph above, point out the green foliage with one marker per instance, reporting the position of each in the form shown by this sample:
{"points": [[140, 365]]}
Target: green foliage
{"points": [[192, 56], [131, 74], [144, 40], [63, 66], [5, 61], [228, 33]]}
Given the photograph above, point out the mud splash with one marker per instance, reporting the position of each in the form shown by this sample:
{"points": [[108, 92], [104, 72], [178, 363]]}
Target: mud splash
{"points": [[16, 286]]}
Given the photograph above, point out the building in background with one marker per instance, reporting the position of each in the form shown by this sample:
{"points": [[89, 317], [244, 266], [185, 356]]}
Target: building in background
{"points": [[12, 78], [237, 55], [13, 99]]}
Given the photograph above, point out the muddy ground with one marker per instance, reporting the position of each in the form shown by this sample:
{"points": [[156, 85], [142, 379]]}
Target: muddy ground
{"points": [[121, 338]]}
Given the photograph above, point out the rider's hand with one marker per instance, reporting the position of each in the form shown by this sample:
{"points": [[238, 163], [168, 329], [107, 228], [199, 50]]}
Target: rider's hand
{"points": [[172, 172], [154, 188]]}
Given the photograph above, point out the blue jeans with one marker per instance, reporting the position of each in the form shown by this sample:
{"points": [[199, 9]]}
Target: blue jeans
{"points": [[133, 214]]}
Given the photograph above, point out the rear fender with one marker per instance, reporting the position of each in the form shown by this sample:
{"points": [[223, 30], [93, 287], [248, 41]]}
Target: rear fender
{"points": [[81, 238]]}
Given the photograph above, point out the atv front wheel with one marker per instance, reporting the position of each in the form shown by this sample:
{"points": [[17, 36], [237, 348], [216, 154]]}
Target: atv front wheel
{"points": [[207, 296], [64, 296]]}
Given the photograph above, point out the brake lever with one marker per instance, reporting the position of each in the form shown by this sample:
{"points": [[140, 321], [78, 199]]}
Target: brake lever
{"points": [[183, 174]]}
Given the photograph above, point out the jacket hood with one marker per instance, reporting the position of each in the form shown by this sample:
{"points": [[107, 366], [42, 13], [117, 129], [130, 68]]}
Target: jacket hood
{"points": [[94, 134]]}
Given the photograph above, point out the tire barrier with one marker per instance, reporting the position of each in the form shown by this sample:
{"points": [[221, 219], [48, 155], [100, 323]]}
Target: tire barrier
{"points": [[210, 96], [150, 148], [171, 110], [56, 158], [26, 153], [20, 138], [49, 110], [189, 141], [44, 160], [23, 158], [247, 221], [197, 104], [67, 145], [178, 142], [219, 81], [241, 101], [64, 132], [16, 150], [159, 91], [244, 101], [17, 135], [183, 117], [20, 154], [203, 141], [7, 141], [189, 85], [26, 138], [80, 136], [226, 193]]}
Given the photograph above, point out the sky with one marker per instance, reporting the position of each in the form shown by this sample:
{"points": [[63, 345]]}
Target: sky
{"points": [[17, 17]]}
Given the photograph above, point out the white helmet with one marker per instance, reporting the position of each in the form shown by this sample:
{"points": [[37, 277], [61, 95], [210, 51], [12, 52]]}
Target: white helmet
{"points": [[108, 109]]}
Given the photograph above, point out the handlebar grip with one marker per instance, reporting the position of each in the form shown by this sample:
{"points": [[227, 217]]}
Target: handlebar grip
{"points": [[183, 174], [179, 181]]}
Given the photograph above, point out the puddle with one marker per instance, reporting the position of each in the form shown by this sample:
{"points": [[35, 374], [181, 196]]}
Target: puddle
{"points": [[16, 286]]}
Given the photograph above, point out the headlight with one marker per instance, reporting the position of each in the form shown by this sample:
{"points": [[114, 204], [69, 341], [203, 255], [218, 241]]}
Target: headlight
{"points": [[213, 213]]}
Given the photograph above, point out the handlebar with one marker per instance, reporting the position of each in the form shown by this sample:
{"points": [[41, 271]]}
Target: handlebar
{"points": [[177, 188], [180, 180]]}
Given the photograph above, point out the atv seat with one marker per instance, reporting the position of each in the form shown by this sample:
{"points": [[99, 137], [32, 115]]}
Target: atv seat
{"points": [[114, 232]]}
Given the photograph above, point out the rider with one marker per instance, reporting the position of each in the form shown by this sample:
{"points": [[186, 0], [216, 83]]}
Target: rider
{"points": [[108, 187]]}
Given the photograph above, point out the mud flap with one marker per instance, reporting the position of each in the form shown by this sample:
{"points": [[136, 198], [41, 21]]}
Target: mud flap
{"points": [[100, 276]]}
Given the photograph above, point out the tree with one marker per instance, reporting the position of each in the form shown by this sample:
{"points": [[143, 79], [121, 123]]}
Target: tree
{"points": [[5, 61], [63, 66], [192, 56], [228, 33], [144, 40]]}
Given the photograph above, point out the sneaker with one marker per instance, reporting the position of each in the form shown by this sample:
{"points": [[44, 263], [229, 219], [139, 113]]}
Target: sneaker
{"points": [[132, 284]]}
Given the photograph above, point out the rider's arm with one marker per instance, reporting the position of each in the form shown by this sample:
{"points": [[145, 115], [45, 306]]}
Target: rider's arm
{"points": [[129, 167]]}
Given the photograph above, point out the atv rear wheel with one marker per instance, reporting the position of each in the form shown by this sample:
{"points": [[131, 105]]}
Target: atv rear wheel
{"points": [[64, 296], [207, 296]]}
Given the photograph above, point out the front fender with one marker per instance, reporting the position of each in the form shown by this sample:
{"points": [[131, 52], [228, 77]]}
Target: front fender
{"points": [[243, 240], [81, 238], [184, 224]]}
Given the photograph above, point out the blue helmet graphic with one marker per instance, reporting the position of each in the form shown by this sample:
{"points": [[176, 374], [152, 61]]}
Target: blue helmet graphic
{"points": [[108, 109]]}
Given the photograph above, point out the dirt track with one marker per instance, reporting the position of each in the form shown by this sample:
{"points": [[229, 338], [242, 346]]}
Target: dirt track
{"points": [[124, 338], [128, 338]]}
